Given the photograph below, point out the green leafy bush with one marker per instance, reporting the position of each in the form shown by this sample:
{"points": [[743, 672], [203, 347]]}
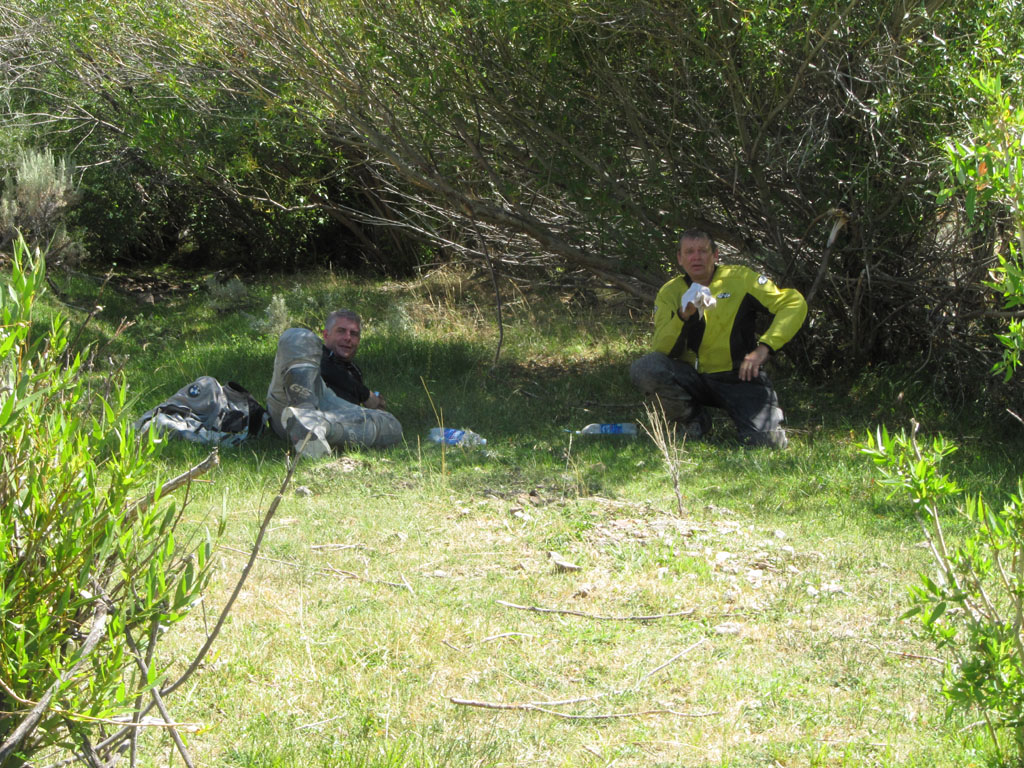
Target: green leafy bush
{"points": [[987, 171], [974, 606], [35, 198], [91, 575]]}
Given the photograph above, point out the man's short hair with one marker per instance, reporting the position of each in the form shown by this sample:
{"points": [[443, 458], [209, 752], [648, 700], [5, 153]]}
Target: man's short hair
{"points": [[697, 234], [339, 314]]}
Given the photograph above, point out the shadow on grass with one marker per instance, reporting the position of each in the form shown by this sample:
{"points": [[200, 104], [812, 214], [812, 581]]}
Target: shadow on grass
{"points": [[530, 402], [531, 406]]}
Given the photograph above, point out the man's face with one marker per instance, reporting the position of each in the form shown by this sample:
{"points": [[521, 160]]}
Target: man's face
{"points": [[697, 259], [342, 338]]}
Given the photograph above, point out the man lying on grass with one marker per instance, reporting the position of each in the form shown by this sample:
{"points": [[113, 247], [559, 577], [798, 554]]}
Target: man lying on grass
{"points": [[707, 352], [301, 404]]}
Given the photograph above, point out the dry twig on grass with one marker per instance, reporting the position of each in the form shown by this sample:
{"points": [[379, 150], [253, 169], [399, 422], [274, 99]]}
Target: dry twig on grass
{"points": [[505, 634], [328, 571], [351, 575], [602, 716], [904, 654], [545, 706], [598, 616]]}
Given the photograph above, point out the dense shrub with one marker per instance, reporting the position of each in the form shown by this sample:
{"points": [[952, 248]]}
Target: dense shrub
{"points": [[807, 137], [91, 572], [973, 605], [34, 201]]}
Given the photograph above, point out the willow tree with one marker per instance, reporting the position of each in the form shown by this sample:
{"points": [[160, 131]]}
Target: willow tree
{"points": [[581, 136], [805, 136]]}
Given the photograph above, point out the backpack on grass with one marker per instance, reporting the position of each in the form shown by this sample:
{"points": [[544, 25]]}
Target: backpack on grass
{"points": [[208, 412]]}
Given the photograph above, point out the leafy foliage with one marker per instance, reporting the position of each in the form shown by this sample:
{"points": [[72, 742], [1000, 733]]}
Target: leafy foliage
{"points": [[90, 576], [975, 606], [988, 171], [34, 202], [549, 138], [593, 133]]}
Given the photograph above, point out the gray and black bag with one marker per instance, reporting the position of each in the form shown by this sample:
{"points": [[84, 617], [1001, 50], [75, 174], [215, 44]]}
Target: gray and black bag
{"points": [[207, 412]]}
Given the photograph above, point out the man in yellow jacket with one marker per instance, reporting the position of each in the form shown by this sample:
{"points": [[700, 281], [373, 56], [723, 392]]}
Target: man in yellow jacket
{"points": [[707, 350]]}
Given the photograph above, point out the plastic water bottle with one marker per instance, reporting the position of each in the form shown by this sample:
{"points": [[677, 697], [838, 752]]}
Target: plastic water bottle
{"points": [[626, 429], [452, 436]]}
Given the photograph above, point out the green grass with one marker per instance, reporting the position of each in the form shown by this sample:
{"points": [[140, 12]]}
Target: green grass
{"points": [[382, 589]]}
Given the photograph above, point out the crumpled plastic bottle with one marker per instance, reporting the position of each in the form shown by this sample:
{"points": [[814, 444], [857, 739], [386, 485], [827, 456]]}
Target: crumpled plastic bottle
{"points": [[452, 436], [625, 429]]}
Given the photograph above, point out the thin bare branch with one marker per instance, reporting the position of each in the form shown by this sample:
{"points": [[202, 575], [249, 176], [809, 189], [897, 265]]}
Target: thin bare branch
{"points": [[600, 617]]}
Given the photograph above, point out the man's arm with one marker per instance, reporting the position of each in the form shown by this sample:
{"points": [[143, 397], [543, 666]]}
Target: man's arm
{"points": [[752, 362], [668, 320], [789, 310]]}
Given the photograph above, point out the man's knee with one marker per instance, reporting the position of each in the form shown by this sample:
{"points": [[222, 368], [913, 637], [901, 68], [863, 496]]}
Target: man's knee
{"points": [[296, 345], [650, 371]]}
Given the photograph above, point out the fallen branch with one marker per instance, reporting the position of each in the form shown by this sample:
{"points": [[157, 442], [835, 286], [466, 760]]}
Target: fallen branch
{"points": [[678, 656], [566, 612], [329, 571], [173, 484], [506, 634], [617, 503], [352, 575], [28, 725], [545, 706], [307, 726], [566, 716], [855, 742], [905, 655], [452, 646]]}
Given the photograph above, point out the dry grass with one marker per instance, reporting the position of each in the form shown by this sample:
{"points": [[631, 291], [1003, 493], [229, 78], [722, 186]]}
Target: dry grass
{"points": [[367, 619]]}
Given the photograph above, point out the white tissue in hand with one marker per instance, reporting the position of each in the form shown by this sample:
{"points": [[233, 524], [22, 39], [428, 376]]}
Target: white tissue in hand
{"points": [[700, 296]]}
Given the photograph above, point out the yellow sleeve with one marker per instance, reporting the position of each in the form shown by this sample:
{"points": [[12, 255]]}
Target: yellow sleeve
{"points": [[668, 326], [788, 307]]}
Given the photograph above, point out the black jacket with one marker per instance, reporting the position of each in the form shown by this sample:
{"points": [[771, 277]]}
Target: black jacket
{"points": [[343, 377]]}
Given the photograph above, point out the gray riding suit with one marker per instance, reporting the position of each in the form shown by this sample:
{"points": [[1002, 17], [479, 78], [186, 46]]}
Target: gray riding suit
{"points": [[301, 404]]}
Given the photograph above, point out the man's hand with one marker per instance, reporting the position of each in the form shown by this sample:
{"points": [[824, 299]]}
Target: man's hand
{"points": [[752, 363], [376, 402], [697, 299]]}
